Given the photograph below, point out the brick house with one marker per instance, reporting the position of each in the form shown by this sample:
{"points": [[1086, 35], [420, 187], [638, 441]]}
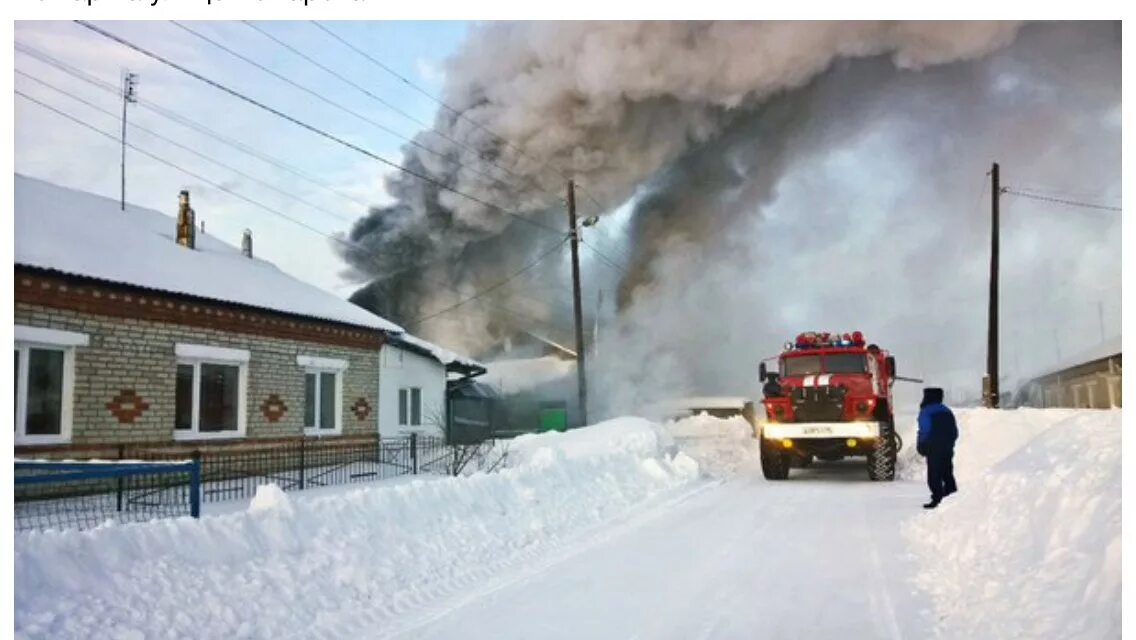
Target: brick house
{"points": [[131, 327]]}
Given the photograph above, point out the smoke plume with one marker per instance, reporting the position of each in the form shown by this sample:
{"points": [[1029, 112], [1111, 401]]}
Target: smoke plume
{"points": [[779, 177]]}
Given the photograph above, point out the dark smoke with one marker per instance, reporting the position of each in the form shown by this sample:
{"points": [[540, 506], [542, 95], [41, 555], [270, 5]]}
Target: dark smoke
{"points": [[781, 178]]}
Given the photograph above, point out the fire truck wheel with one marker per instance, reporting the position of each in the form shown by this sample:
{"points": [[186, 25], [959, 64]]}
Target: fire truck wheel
{"points": [[881, 458], [774, 464]]}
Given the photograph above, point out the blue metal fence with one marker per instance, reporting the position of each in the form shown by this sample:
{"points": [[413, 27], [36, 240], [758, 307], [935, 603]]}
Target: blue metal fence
{"points": [[84, 494]]}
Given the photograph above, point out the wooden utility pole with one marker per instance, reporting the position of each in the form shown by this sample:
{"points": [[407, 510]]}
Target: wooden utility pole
{"points": [[574, 235], [992, 399], [128, 97]]}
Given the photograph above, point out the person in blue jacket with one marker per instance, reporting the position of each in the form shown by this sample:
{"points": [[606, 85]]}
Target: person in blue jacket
{"points": [[938, 432]]}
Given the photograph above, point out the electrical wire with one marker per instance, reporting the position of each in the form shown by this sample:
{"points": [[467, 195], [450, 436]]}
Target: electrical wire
{"points": [[494, 287], [312, 128], [322, 98], [187, 148], [1072, 203], [371, 95], [185, 122]]}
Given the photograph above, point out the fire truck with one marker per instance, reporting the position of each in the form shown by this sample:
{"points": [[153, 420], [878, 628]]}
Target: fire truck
{"points": [[830, 398]]}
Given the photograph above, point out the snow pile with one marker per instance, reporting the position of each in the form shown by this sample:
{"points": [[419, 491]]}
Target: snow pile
{"points": [[985, 437], [722, 446], [1030, 547], [365, 558], [270, 498]]}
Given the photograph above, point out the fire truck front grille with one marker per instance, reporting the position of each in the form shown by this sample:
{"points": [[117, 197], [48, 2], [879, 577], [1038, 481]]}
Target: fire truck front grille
{"points": [[818, 404]]}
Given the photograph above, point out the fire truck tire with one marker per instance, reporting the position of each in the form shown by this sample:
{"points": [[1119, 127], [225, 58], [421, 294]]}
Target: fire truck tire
{"points": [[881, 458], [774, 464]]}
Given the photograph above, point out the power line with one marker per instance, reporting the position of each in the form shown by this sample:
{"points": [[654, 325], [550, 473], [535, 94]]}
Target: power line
{"points": [[1072, 203], [494, 287], [312, 128], [374, 97], [186, 122], [177, 167], [188, 149], [601, 208], [328, 101], [603, 258]]}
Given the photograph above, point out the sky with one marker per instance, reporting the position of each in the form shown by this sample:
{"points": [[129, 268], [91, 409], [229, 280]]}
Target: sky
{"points": [[51, 147]]}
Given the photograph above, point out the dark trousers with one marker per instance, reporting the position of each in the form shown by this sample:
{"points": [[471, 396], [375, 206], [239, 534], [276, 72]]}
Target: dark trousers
{"points": [[941, 471]]}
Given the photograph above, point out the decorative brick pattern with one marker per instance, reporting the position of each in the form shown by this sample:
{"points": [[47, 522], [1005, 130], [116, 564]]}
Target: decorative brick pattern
{"points": [[137, 354], [107, 299], [361, 409], [273, 408], [127, 406]]}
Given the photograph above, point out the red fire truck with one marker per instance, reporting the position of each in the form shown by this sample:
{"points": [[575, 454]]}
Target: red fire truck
{"points": [[829, 399]]}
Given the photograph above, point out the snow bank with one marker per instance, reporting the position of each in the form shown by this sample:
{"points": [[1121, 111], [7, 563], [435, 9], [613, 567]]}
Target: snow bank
{"points": [[311, 565], [1030, 547], [721, 446]]}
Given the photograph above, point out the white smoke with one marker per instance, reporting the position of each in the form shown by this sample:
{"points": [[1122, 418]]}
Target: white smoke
{"points": [[784, 176]]}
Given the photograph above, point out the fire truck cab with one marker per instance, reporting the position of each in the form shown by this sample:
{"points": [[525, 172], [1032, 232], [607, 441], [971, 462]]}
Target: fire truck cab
{"points": [[830, 398]]}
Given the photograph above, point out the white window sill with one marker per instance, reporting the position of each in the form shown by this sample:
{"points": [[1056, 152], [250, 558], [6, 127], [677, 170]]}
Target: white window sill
{"points": [[316, 433], [329, 364], [35, 440], [208, 352], [183, 435]]}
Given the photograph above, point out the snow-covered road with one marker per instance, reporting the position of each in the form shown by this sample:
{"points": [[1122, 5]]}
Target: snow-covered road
{"points": [[817, 556]]}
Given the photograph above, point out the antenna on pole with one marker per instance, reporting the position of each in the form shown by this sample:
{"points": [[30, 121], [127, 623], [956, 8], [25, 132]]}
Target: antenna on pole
{"points": [[129, 96]]}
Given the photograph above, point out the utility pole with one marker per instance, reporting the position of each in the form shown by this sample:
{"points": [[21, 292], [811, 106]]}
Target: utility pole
{"points": [[128, 97], [992, 330], [574, 236]]}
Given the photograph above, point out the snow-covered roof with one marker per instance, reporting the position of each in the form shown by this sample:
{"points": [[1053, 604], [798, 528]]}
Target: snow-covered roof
{"points": [[83, 234], [445, 356]]}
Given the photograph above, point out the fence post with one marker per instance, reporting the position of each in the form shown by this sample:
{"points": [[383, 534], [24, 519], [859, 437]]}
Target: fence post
{"points": [[195, 485], [301, 464], [119, 482], [414, 453]]}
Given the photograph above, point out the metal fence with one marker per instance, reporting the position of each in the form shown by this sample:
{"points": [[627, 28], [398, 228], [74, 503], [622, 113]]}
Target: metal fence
{"points": [[228, 471], [233, 472], [82, 495]]}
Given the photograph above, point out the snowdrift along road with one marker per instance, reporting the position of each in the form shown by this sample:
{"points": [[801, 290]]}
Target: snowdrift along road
{"points": [[627, 528], [292, 563]]}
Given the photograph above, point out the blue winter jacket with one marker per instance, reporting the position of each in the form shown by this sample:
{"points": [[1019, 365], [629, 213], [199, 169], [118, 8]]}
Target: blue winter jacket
{"points": [[937, 427]]}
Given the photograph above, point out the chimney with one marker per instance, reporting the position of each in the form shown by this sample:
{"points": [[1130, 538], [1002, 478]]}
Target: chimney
{"points": [[246, 243], [186, 230]]}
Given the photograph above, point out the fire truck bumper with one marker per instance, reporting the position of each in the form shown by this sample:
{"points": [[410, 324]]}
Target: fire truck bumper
{"points": [[817, 430]]}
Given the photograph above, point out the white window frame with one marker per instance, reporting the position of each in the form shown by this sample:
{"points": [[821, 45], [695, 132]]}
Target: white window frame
{"points": [[315, 365], [27, 338], [410, 407], [196, 355]]}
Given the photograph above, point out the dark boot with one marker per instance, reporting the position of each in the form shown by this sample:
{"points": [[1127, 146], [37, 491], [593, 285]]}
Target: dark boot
{"points": [[935, 500]]}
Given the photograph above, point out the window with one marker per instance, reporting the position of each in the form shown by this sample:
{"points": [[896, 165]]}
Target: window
{"points": [[845, 363], [44, 361], [800, 365], [210, 392], [323, 394], [410, 406]]}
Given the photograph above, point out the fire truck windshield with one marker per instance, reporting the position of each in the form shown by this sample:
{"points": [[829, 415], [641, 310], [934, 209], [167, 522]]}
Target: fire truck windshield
{"points": [[805, 365], [845, 363], [800, 365]]}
